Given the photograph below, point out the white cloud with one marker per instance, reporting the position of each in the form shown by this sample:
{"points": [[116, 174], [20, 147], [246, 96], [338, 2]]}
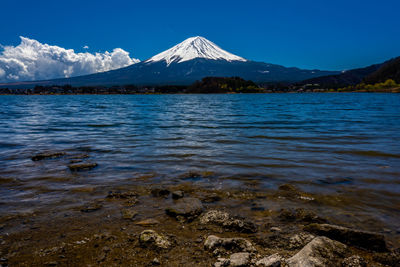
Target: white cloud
{"points": [[32, 60], [86, 47]]}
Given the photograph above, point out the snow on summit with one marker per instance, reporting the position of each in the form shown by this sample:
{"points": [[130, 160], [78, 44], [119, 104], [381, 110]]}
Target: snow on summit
{"points": [[194, 47]]}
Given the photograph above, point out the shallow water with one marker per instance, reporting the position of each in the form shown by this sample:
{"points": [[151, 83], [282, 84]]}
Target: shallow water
{"points": [[325, 143]]}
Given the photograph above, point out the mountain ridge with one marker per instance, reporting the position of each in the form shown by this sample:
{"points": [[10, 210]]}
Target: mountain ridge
{"points": [[183, 64], [191, 48]]}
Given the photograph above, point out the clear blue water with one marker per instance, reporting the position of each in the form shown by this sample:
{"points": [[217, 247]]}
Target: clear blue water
{"points": [[323, 142]]}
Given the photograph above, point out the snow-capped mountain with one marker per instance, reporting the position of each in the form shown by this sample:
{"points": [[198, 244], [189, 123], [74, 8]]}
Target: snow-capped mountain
{"points": [[194, 47], [185, 63]]}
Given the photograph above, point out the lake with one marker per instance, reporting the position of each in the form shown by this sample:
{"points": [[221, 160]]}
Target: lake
{"points": [[345, 144]]}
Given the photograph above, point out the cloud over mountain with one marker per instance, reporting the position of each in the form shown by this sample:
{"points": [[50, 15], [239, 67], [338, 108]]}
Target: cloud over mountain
{"points": [[32, 60]]}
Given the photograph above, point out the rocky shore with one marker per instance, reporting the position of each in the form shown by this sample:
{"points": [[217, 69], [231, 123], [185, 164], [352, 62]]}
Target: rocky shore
{"points": [[182, 226], [187, 224]]}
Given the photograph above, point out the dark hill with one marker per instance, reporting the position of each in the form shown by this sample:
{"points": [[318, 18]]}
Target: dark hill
{"points": [[351, 77], [390, 70]]}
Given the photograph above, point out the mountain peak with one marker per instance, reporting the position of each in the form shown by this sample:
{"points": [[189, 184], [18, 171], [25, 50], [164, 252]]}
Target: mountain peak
{"points": [[194, 47]]}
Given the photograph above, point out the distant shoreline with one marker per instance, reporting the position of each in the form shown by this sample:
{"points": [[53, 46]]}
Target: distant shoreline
{"points": [[275, 92]]}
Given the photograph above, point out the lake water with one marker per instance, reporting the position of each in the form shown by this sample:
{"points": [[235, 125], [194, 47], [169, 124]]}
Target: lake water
{"points": [[324, 143]]}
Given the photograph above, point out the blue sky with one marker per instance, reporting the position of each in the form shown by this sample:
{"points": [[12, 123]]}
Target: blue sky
{"points": [[332, 35]]}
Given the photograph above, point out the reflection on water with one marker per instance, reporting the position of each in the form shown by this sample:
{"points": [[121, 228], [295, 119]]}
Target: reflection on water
{"points": [[324, 142]]}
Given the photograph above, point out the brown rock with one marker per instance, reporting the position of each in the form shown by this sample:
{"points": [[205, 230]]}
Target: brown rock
{"points": [[363, 239], [82, 166], [48, 155]]}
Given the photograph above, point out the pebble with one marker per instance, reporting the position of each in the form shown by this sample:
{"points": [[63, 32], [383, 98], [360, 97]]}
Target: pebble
{"points": [[147, 222], [177, 194]]}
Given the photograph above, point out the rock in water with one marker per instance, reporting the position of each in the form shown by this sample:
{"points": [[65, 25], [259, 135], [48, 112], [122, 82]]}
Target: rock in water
{"points": [[367, 240], [122, 195], [47, 155], [150, 238], [159, 192], [91, 207], [270, 261], [235, 244], [321, 251], [82, 166], [128, 213], [225, 220], [185, 208]]}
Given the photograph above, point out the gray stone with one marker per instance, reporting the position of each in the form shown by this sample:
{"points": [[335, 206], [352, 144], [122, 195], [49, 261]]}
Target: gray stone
{"points": [[239, 259], [186, 208], [236, 244], [150, 238], [227, 221], [321, 251], [354, 261], [221, 262], [367, 240], [300, 240], [271, 261]]}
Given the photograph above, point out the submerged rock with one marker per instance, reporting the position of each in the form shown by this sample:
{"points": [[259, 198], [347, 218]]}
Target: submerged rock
{"points": [[225, 220], [159, 192], [91, 207], [270, 261], [288, 191], [210, 198], [128, 213], [47, 155], [82, 166], [122, 195], [235, 244], [300, 215], [185, 209], [321, 251], [363, 239], [150, 238]]}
